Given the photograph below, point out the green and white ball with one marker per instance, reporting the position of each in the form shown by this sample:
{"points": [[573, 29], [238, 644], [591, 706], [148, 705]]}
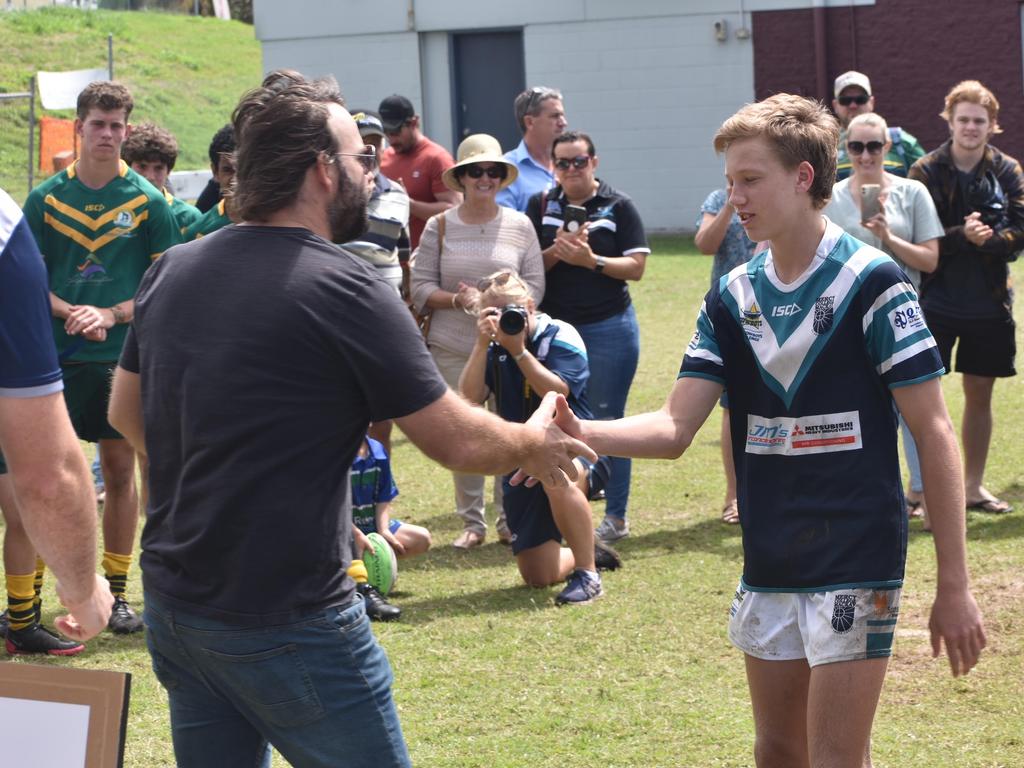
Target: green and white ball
{"points": [[381, 564]]}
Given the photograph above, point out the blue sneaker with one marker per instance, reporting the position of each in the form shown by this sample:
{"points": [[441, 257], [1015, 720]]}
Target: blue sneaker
{"points": [[580, 589]]}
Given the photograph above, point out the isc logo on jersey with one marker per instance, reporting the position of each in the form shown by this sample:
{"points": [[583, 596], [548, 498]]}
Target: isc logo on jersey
{"points": [[786, 310]]}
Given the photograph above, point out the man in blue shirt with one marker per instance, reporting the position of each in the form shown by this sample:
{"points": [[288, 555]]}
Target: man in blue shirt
{"points": [[541, 118]]}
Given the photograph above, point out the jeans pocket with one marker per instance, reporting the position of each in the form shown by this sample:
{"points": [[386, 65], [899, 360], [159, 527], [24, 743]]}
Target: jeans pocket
{"points": [[274, 683]]}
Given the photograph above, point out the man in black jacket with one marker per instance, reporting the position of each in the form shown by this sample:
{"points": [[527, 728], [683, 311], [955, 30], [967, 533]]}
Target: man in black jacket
{"points": [[979, 194]]}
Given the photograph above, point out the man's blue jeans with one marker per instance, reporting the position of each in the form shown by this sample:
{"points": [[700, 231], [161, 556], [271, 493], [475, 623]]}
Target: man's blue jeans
{"points": [[318, 690], [613, 350]]}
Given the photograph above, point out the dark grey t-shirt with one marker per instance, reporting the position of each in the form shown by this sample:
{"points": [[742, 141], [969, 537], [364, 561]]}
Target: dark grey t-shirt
{"points": [[264, 353]]}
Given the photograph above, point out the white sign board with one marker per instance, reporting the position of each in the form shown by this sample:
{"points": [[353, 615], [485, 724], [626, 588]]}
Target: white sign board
{"points": [[188, 185], [57, 731], [59, 90]]}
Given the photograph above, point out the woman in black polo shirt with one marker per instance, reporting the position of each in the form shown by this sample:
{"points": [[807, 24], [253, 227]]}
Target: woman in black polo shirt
{"points": [[586, 286]]}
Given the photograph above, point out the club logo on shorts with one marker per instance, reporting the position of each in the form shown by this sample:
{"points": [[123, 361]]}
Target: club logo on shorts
{"points": [[824, 314], [842, 613]]}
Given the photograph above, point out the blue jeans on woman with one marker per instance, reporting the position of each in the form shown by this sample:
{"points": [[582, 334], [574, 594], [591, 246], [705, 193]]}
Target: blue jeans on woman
{"points": [[318, 689], [613, 349]]}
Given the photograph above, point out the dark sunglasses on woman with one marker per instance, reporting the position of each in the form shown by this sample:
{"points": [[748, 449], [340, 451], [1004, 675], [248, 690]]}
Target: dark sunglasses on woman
{"points": [[848, 100], [493, 171], [858, 147], [579, 163]]}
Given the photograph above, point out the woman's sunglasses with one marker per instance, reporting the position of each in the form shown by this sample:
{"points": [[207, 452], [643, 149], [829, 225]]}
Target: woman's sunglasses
{"points": [[858, 147], [579, 163], [848, 100], [492, 171], [499, 280]]}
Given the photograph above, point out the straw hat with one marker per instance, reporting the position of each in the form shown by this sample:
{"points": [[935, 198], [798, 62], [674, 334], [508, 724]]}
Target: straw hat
{"points": [[479, 148]]}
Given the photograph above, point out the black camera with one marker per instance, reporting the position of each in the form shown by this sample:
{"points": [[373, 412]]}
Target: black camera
{"points": [[986, 196], [512, 319]]}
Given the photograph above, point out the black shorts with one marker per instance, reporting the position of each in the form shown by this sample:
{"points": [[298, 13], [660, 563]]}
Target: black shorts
{"points": [[987, 347], [87, 394], [528, 513]]}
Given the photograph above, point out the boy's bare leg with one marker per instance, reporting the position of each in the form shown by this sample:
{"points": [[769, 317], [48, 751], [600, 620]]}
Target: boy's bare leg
{"points": [[546, 564], [121, 510], [415, 538], [839, 727], [778, 693], [19, 553], [571, 511]]}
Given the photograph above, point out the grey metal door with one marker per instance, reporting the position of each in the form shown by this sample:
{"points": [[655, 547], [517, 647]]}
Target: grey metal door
{"points": [[487, 75]]}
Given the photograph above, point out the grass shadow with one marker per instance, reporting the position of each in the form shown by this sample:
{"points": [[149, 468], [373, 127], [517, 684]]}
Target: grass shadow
{"points": [[503, 600]]}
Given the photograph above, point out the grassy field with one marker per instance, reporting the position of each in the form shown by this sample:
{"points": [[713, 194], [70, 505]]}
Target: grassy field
{"points": [[491, 673], [185, 72]]}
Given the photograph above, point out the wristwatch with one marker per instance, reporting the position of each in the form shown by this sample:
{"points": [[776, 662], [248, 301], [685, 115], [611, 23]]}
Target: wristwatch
{"points": [[599, 262]]}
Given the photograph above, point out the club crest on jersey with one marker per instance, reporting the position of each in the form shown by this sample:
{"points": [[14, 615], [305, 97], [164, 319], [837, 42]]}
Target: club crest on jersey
{"points": [[123, 219], [843, 612], [824, 314], [750, 321]]}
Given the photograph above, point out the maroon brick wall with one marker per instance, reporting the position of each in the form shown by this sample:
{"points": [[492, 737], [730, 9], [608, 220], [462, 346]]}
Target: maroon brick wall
{"points": [[913, 51]]}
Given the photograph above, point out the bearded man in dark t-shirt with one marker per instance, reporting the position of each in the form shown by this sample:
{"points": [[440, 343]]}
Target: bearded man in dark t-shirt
{"points": [[248, 379]]}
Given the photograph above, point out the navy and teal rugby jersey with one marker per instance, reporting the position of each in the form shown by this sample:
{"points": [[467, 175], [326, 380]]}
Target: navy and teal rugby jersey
{"points": [[559, 348], [808, 368]]}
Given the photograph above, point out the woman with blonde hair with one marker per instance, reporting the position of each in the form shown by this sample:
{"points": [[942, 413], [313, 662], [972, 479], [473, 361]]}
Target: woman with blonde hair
{"points": [[906, 226], [458, 248]]}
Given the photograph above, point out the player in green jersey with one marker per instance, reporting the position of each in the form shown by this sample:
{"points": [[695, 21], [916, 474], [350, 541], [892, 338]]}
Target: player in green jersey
{"points": [[99, 225], [222, 163], [151, 151]]}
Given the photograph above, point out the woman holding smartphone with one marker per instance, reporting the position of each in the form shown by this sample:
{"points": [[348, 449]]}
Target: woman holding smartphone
{"points": [[587, 274], [458, 248], [903, 223]]}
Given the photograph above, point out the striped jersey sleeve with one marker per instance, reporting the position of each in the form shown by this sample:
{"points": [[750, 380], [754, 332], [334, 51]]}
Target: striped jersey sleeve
{"points": [[895, 333], [703, 357]]}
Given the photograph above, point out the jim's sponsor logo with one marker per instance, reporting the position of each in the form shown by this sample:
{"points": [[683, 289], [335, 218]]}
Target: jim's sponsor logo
{"points": [[796, 436]]}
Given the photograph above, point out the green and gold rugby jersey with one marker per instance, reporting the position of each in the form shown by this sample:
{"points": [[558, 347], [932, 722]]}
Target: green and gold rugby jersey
{"points": [[210, 222], [184, 214], [97, 244]]}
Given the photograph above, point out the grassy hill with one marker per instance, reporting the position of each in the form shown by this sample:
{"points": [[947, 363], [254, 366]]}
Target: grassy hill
{"points": [[186, 73]]}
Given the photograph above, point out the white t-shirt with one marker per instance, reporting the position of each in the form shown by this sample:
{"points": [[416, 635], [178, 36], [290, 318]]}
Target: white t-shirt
{"points": [[909, 210]]}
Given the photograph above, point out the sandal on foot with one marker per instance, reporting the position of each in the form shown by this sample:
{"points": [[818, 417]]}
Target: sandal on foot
{"points": [[992, 506], [731, 513]]}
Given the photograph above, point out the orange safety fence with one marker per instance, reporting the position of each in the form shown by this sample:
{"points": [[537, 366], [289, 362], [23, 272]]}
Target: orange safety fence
{"points": [[56, 137]]}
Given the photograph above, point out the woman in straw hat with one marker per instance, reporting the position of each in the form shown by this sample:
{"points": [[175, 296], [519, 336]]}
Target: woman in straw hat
{"points": [[458, 248]]}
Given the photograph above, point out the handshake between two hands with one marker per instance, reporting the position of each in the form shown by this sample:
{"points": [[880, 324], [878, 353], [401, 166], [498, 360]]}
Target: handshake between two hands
{"points": [[561, 441]]}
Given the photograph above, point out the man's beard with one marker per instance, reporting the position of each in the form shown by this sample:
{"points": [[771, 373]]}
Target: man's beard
{"points": [[346, 213]]}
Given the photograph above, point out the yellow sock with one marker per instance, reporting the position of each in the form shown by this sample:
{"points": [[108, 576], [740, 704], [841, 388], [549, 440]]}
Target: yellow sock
{"points": [[115, 568], [358, 572], [21, 611], [37, 582]]}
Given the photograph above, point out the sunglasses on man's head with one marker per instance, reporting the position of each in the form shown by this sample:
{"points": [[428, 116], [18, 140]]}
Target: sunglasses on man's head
{"points": [[848, 100], [858, 147], [580, 162], [492, 171]]}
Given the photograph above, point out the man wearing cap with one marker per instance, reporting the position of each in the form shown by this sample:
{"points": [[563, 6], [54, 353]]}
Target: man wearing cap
{"points": [[385, 244], [852, 97], [416, 162], [541, 118]]}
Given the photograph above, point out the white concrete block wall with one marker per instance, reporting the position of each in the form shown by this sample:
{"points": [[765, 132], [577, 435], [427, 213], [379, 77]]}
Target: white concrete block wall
{"points": [[651, 92], [367, 67]]}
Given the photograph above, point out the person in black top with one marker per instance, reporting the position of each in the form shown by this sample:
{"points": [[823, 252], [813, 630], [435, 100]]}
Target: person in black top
{"points": [[979, 194], [257, 357], [587, 272]]}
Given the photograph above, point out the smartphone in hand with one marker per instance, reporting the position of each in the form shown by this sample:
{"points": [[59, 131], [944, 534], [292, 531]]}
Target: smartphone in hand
{"points": [[870, 205], [573, 218]]}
